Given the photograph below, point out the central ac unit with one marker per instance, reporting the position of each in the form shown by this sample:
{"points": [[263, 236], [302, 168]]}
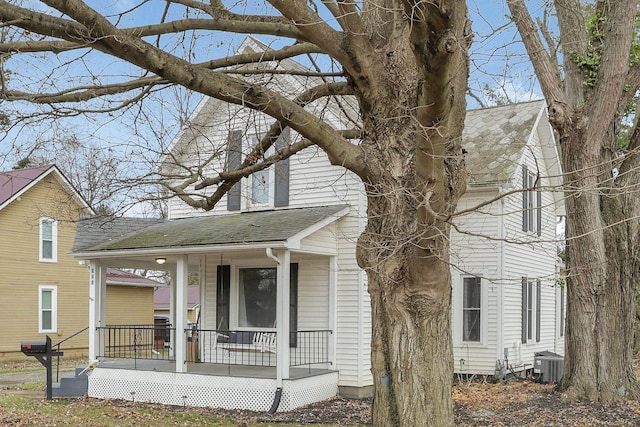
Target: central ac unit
{"points": [[549, 366]]}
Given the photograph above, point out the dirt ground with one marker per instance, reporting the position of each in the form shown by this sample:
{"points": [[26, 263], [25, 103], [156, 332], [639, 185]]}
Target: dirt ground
{"points": [[516, 403]]}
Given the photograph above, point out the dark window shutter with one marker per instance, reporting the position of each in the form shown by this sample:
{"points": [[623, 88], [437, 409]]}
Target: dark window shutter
{"points": [[281, 189], [524, 310], [525, 198], [234, 158], [538, 308], [538, 208], [293, 305], [223, 285]]}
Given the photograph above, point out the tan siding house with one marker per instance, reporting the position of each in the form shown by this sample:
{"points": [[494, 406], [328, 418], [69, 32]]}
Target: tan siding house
{"points": [[42, 290]]}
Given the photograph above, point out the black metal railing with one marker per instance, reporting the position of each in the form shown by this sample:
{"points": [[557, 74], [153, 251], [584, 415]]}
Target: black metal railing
{"points": [[256, 348], [226, 347], [57, 349], [135, 342]]}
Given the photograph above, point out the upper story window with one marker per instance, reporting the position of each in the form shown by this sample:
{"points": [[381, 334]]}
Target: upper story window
{"points": [[268, 187], [531, 202], [48, 240]]}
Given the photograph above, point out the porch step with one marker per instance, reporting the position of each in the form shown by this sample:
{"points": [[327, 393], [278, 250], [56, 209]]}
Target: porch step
{"points": [[72, 385]]}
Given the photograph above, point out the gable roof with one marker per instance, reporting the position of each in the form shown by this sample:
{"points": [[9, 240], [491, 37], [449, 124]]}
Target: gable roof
{"points": [[495, 137], [236, 229], [116, 276], [15, 183]]}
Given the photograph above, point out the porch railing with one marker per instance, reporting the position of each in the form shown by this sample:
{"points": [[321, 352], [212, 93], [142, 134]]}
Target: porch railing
{"points": [[256, 348], [227, 347], [135, 341]]}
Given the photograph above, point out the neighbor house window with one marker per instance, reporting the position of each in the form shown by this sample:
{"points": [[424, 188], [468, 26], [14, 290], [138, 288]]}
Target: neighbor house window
{"points": [[48, 240], [471, 308], [531, 202], [47, 307], [531, 310]]}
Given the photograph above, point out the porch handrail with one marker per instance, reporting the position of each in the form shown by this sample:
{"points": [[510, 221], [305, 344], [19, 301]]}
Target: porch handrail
{"points": [[56, 349], [143, 341]]}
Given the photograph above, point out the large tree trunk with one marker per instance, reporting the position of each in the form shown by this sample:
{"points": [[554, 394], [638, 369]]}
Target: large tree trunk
{"points": [[413, 113], [603, 274]]}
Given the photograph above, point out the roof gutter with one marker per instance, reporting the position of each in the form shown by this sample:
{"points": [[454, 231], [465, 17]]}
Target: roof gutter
{"points": [[118, 253]]}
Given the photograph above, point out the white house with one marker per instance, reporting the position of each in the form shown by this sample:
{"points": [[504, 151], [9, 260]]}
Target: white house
{"points": [[285, 314]]}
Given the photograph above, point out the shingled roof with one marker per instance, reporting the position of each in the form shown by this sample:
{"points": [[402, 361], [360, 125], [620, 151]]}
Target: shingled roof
{"points": [[495, 137], [246, 227]]}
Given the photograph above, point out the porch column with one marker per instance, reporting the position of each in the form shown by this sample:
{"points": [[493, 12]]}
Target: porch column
{"points": [[172, 311], [97, 307], [182, 278], [282, 316], [333, 298]]}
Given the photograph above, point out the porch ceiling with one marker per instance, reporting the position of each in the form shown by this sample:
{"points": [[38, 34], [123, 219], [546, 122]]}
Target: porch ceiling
{"points": [[205, 231]]}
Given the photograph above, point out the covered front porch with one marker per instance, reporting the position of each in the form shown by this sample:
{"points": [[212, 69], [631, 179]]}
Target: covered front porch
{"points": [[265, 335]]}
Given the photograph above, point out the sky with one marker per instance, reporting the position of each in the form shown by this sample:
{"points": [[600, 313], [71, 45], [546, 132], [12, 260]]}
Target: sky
{"points": [[495, 53]]}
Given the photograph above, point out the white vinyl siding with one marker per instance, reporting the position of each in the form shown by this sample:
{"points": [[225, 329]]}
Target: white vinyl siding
{"points": [[47, 309], [48, 251]]}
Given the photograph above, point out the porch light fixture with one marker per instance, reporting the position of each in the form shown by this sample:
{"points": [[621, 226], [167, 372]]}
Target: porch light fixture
{"points": [[161, 260]]}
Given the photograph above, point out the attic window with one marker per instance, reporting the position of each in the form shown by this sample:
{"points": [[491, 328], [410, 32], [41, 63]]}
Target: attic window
{"points": [[531, 202]]}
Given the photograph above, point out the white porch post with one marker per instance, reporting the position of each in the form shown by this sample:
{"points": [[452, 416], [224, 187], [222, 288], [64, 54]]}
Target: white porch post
{"points": [[172, 312], [182, 278], [97, 305], [282, 316], [333, 297]]}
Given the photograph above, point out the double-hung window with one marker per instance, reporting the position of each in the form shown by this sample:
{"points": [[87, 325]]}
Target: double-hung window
{"points": [[531, 309], [261, 183], [48, 309], [471, 309], [48, 240], [531, 202]]}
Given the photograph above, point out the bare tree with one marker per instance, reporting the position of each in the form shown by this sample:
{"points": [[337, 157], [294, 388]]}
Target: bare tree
{"points": [[406, 64], [588, 102]]}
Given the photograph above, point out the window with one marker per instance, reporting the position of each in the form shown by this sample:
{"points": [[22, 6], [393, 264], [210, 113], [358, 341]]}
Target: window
{"points": [[471, 309], [531, 202], [266, 188], [48, 240], [47, 308], [261, 183], [256, 297], [531, 310]]}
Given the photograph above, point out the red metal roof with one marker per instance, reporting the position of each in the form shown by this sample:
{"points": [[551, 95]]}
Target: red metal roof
{"points": [[161, 297], [13, 182]]}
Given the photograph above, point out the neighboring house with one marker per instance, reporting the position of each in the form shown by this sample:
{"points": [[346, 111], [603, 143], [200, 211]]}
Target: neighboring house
{"points": [[42, 290], [130, 298], [162, 302], [285, 314]]}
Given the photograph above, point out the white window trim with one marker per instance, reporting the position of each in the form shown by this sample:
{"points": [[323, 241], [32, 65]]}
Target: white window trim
{"points": [[247, 184], [234, 295], [54, 308], [533, 282], [458, 312], [54, 240]]}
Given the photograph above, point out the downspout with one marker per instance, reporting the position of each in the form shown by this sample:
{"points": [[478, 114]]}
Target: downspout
{"points": [[278, 393]]}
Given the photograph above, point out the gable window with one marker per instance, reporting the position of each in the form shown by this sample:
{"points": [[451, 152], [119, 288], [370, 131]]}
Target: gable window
{"points": [[531, 202], [261, 183], [471, 309], [531, 310], [265, 188], [48, 240], [48, 309]]}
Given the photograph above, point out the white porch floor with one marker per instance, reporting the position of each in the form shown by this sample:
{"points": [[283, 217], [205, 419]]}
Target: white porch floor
{"points": [[209, 385]]}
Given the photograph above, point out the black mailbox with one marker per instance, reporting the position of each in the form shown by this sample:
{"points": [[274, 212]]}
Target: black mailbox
{"points": [[33, 347]]}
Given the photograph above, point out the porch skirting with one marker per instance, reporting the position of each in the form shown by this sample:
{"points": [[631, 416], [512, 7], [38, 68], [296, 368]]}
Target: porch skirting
{"points": [[171, 388]]}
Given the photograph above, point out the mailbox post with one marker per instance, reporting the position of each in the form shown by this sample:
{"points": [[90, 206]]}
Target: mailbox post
{"points": [[42, 351]]}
